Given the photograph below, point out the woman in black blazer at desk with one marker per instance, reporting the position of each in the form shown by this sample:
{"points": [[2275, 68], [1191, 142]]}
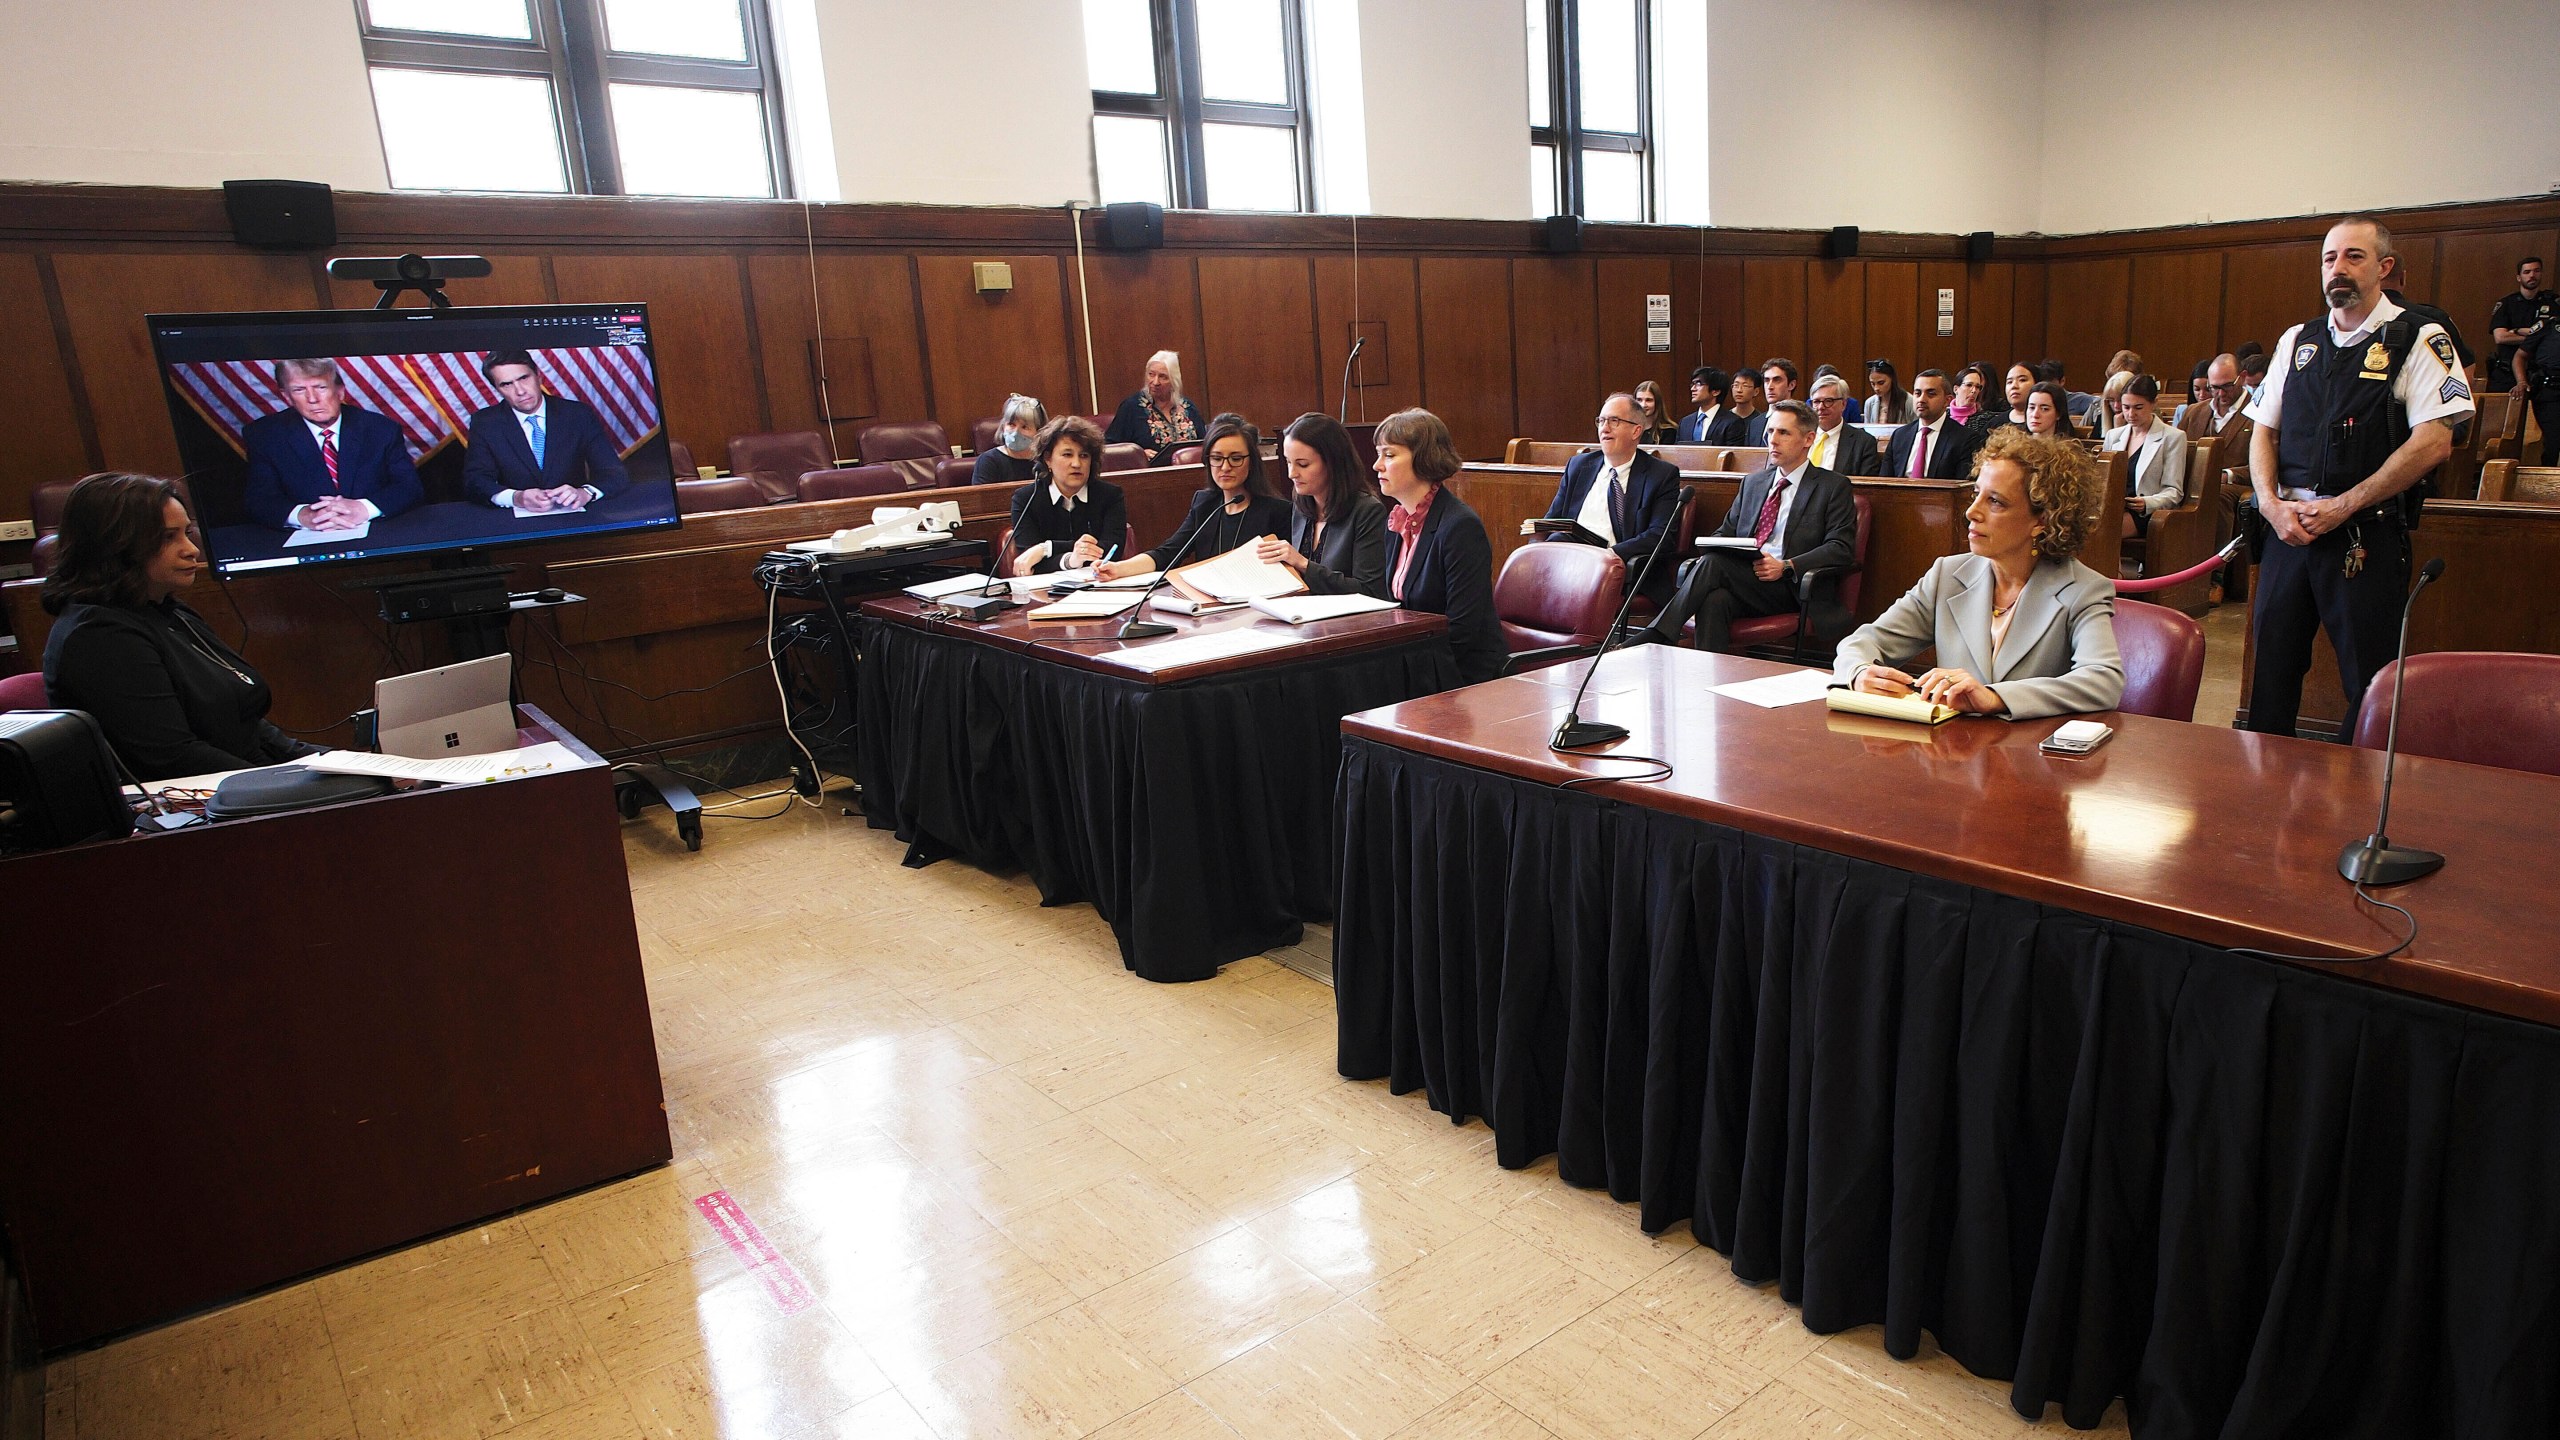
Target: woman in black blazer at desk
{"points": [[172, 698], [1236, 506], [1338, 541], [1438, 557], [1081, 520]]}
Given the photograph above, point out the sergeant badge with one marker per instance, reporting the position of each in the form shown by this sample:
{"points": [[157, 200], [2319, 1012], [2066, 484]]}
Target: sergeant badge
{"points": [[2302, 355], [2377, 356], [2444, 352]]}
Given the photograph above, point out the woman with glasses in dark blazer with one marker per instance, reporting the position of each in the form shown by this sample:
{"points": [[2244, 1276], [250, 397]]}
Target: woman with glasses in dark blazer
{"points": [[1237, 506], [1438, 556], [1338, 540]]}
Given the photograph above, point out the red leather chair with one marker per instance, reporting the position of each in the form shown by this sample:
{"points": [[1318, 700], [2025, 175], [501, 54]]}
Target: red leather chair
{"points": [[1834, 593], [680, 460], [912, 447], [776, 461], [44, 508], [982, 434], [24, 692], [1004, 547], [853, 482], [2163, 653], [2486, 707], [40, 560], [1557, 595], [1123, 457], [953, 470], [1188, 455], [730, 492]]}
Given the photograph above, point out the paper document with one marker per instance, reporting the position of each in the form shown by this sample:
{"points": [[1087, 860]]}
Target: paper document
{"points": [[1888, 707], [1796, 687], [1307, 609], [1177, 604], [1201, 649], [524, 514], [1087, 605], [327, 537], [1742, 544], [451, 769], [1127, 582], [936, 589], [1237, 575]]}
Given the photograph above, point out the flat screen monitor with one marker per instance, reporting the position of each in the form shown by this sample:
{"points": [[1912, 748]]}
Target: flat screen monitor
{"points": [[314, 436]]}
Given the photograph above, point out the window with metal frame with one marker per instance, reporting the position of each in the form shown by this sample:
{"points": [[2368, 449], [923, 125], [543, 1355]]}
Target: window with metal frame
{"points": [[1591, 108], [590, 97], [1201, 104]]}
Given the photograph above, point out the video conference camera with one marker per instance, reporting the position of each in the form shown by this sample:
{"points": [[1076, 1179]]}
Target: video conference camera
{"points": [[394, 275]]}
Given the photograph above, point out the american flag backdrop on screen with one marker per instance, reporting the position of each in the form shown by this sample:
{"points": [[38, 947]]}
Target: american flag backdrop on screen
{"points": [[431, 395]]}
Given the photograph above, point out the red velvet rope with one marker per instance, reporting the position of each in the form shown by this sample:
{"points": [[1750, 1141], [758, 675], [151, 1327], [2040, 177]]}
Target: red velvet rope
{"points": [[2149, 583]]}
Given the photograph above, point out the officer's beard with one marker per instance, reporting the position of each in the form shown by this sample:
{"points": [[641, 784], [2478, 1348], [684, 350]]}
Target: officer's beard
{"points": [[2342, 294]]}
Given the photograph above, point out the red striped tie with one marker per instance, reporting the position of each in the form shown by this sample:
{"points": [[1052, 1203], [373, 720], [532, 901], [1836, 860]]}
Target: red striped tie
{"points": [[329, 456]]}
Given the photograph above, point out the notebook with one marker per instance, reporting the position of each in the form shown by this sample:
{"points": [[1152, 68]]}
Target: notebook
{"points": [[1889, 707]]}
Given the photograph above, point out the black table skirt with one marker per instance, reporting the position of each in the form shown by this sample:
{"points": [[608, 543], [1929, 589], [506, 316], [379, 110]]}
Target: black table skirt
{"points": [[1197, 818], [2091, 1159]]}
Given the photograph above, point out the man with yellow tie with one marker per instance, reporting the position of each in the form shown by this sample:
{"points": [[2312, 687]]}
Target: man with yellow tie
{"points": [[1839, 446]]}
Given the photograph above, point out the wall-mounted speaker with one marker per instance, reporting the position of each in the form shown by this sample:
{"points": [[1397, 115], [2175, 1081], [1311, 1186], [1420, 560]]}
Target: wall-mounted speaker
{"points": [[281, 214], [1841, 244], [1134, 224], [1977, 247], [1564, 234]]}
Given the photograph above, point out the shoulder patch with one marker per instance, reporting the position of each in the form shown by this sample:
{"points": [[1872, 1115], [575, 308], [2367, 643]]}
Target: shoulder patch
{"points": [[2442, 345], [2302, 355]]}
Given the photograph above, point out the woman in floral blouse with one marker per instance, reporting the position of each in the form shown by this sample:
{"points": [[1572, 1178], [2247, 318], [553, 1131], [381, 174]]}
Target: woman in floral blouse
{"points": [[1159, 419]]}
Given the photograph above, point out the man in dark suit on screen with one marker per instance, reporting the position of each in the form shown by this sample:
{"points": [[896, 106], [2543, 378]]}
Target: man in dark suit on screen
{"points": [[538, 451], [1620, 496], [322, 464], [1944, 449], [1800, 518]]}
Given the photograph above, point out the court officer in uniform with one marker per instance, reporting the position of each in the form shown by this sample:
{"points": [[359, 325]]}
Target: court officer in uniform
{"points": [[2359, 406]]}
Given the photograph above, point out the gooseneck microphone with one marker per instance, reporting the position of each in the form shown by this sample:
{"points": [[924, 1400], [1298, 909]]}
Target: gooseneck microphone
{"points": [[1343, 408], [2374, 860], [1577, 732], [1135, 628]]}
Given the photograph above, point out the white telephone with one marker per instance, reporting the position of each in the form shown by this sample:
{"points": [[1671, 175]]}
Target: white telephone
{"points": [[892, 527]]}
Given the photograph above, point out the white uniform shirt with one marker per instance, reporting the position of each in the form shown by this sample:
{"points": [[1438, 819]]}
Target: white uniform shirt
{"points": [[2429, 388]]}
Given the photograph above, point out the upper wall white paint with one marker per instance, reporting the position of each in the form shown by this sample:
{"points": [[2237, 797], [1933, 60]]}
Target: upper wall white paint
{"points": [[133, 92], [1446, 86], [984, 103], [1885, 114], [2412, 125]]}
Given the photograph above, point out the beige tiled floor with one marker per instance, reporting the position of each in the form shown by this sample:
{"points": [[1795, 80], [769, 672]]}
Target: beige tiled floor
{"points": [[1013, 1191]]}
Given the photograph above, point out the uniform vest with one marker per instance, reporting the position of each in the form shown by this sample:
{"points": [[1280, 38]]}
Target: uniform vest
{"points": [[2341, 420]]}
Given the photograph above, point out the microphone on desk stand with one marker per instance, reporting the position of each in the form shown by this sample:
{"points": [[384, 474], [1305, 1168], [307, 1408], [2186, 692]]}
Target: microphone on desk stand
{"points": [[1343, 409], [1135, 628], [1577, 732], [2374, 860]]}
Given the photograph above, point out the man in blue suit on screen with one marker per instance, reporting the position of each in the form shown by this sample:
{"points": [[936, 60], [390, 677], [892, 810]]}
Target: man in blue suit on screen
{"points": [[320, 463], [538, 451]]}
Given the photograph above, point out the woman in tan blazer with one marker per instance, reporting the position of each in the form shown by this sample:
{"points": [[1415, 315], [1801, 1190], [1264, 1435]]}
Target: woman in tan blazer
{"points": [[2021, 628]]}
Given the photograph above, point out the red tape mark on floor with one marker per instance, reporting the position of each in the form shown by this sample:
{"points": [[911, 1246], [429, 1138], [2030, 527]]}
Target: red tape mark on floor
{"points": [[790, 1293]]}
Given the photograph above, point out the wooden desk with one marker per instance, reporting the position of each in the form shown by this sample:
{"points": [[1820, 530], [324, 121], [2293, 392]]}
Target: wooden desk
{"points": [[1191, 804], [1935, 1032], [239, 1053]]}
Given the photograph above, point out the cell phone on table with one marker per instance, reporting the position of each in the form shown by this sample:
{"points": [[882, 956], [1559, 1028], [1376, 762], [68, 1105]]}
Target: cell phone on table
{"points": [[2076, 737]]}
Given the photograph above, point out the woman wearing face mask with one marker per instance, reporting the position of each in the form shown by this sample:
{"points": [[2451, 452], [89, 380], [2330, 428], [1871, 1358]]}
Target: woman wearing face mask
{"points": [[1338, 539], [1438, 557], [1017, 435], [1159, 419], [2020, 628], [1237, 506], [1065, 519]]}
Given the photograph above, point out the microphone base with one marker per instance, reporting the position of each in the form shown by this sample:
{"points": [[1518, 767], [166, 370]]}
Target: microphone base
{"points": [[1575, 734], [1144, 629], [2376, 861]]}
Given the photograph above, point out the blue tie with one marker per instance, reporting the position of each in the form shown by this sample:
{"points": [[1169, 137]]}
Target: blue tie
{"points": [[533, 432]]}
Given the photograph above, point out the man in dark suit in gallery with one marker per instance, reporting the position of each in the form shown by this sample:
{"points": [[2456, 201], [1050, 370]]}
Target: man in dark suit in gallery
{"points": [[537, 451], [322, 464], [1945, 449], [1620, 496], [1799, 517], [1711, 423]]}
